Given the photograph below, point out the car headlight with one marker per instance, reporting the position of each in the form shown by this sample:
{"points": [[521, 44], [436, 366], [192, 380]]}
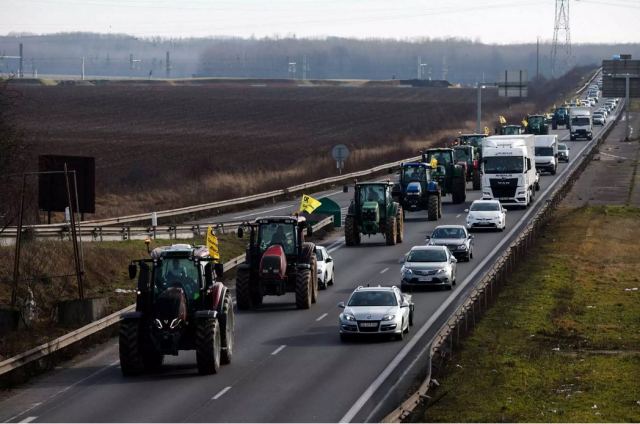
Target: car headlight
{"points": [[441, 271], [388, 317], [348, 317], [406, 271], [462, 246]]}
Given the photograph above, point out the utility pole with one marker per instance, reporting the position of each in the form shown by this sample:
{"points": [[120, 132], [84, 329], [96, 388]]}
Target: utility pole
{"points": [[479, 109], [626, 107], [561, 50], [82, 71], [538, 58], [168, 64], [21, 65]]}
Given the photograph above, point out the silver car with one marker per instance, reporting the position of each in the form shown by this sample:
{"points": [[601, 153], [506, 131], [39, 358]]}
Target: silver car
{"points": [[428, 266], [376, 310], [456, 238]]}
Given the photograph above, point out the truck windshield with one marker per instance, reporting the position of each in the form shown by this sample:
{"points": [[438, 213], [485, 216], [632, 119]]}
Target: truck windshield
{"points": [[580, 120], [544, 151], [504, 165]]}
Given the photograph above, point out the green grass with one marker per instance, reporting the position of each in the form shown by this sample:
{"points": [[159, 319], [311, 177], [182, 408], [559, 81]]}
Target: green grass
{"points": [[562, 343]]}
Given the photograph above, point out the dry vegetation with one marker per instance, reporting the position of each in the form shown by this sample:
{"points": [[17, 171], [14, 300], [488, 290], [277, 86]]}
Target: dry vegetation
{"points": [[162, 146]]}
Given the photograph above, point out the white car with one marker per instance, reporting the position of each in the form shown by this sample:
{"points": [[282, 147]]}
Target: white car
{"points": [[486, 214], [428, 266], [326, 269], [598, 118], [376, 311]]}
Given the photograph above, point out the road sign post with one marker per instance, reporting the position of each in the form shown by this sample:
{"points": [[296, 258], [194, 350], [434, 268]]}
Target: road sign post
{"points": [[340, 153]]}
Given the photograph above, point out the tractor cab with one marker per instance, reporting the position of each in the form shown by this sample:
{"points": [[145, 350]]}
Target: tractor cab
{"points": [[442, 158], [474, 140], [537, 124], [450, 175], [511, 130]]}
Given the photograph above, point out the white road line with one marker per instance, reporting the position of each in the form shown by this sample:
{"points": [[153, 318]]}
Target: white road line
{"points": [[278, 350], [221, 393], [395, 362], [29, 419], [384, 270], [261, 212], [613, 156], [334, 193], [459, 215], [321, 317]]}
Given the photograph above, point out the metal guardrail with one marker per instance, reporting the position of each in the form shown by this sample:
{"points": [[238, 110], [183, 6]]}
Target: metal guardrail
{"points": [[68, 339], [584, 87], [224, 203]]}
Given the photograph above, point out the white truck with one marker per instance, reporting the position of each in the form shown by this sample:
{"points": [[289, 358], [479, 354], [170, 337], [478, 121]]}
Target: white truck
{"points": [[546, 149], [580, 123], [509, 169]]}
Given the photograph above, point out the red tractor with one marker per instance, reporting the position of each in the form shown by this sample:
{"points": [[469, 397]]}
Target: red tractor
{"points": [[278, 261]]}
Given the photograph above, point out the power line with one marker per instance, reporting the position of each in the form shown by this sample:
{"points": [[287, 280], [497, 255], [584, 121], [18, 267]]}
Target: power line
{"points": [[561, 47]]}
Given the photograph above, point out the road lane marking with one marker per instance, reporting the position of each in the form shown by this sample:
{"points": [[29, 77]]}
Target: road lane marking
{"points": [[613, 156], [278, 350], [459, 215], [397, 360], [384, 270], [259, 212], [29, 419], [334, 193], [221, 393], [321, 317]]}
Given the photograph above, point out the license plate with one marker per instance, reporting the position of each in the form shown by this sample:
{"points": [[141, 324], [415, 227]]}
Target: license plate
{"points": [[504, 198], [369, 324]]}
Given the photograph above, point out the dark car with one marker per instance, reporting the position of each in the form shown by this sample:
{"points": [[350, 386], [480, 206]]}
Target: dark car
{"points": [[456, 238]]}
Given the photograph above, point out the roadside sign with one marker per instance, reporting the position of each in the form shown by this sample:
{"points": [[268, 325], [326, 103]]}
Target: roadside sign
{"points": [[512, 84], [340, 153]]}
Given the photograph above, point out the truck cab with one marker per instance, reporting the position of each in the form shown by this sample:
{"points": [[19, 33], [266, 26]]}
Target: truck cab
{"points": [[580, 123], [546, 151]]}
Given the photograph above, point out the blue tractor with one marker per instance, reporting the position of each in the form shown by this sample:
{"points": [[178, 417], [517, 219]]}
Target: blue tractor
{"points": [[416, 191]]}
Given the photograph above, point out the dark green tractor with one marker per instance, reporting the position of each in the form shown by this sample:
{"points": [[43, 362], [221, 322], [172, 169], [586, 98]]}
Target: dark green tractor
{"points": [[373, 211], [468, 155], [537, 124], [511, 130], [451, 176], [473, 159]]}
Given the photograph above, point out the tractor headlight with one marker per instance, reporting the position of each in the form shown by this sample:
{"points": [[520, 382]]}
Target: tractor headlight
{"points": [[158, 324], [176, 322]]}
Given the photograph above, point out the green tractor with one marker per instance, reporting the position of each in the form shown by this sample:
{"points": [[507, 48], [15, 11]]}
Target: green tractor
{"points": [[374, 211], [537, 124], [416, 191], [451, 176], [510, 130]]}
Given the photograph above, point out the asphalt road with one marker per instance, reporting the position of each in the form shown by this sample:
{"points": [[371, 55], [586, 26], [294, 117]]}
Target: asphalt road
{"points": [[289, 365]]}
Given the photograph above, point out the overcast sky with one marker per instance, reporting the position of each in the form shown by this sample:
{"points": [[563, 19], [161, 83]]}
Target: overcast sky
{"points": [[490, 21]]}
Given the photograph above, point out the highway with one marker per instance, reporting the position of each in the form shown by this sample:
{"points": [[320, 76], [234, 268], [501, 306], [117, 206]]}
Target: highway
{"points": [[289, 365]]}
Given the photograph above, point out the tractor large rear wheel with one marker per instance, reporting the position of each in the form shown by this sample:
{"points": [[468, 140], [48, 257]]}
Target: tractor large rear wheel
{"points": [[243, 288], [208, 345], [227, 329], [477, 179], [400, 225], [303, 289], [390, 234], [459, 190], [351, 233], [433, 207], [130, 346]]}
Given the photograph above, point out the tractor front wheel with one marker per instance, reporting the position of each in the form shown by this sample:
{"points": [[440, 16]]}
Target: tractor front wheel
{"points": [[131, 357], [351, 233], [459, 190], [390, 234], [303, 289], [477, 179], [400, 226], [208, 345], [433, 207]]}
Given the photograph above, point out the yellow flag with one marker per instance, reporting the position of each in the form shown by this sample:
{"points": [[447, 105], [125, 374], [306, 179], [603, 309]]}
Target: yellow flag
{"points": [[487, 131], [502, 120], [308, 204], [434, 163], [212, 244], [524, 123]]}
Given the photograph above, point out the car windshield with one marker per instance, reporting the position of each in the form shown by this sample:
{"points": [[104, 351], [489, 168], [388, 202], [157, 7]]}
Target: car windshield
{"points": [[544, 151], [427, 255], [581, 120], [413, 173], [371, 193], [452, 233], [373, 298], [277, 233], [503, 165], [562, 147], [483, 207], [176, 272], [319, 255]]}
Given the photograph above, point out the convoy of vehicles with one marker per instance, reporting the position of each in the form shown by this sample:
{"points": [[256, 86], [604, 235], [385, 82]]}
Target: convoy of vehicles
{"points": [[182, 305]]}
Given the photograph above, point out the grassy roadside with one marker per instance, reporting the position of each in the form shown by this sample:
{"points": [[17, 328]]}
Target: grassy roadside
{"points": [[106, 276], [562, 343]]}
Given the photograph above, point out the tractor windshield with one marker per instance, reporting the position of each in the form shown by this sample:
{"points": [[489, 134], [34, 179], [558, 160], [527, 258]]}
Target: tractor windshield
{"points": [[472, 140], [503, 165], [443, 158], [177, 272], [536, 121], [461, 155], [413, 173], [278, 233], [371, 193]]}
